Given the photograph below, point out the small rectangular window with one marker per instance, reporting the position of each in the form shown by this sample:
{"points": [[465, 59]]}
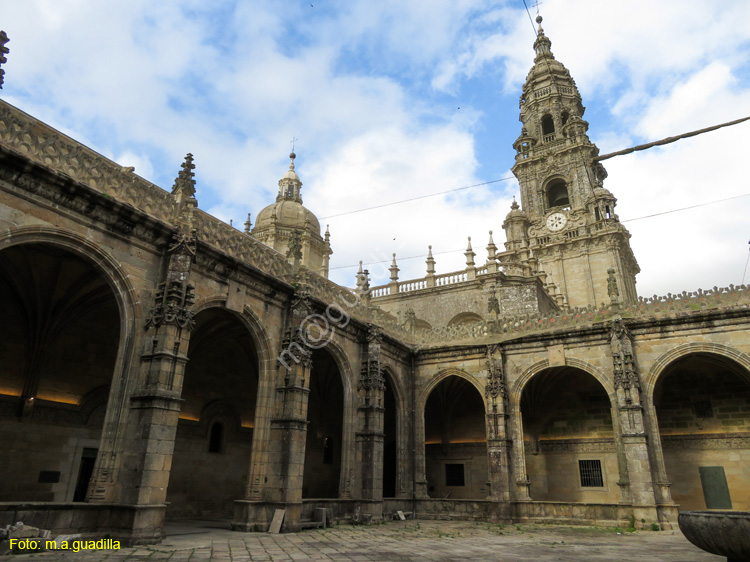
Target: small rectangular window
{"points": [[454, 475], [591, 474], [49, 477]]}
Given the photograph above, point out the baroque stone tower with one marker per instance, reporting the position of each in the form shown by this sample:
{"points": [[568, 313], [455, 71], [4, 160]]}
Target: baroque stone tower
{"points": [[566, 228]]}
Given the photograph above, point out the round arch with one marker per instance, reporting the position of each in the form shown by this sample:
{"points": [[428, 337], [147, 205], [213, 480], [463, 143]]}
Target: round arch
{"points": [[463, 318], [258, 334], [452, 426], [397, 388], [221, 398], [129, 309], [330, 438], [124, 293], [517, 390], [345, 369], [694, 396], [394, 433], [441, 376], [564, 425], [683, 350]]}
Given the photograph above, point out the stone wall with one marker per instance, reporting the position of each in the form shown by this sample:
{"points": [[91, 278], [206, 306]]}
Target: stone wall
{"points": [[31, 448], [473, 458], [554, 471], [203, 483]]}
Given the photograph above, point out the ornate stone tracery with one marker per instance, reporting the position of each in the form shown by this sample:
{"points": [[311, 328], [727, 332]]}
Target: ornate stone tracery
{"points": [[495, 377], [625, 371], [371, 376]]}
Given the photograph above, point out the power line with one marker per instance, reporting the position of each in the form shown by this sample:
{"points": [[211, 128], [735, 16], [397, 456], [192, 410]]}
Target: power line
{"points": [[626, 220], [418, 197], [529, 14], [686, 208], [669, 140]]}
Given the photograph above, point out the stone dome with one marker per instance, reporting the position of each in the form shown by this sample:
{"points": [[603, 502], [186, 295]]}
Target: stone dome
{"points": [[289, 214]]}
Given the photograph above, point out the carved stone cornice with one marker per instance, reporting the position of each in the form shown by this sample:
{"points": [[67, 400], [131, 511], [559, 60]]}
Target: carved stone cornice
{"points": [[83, 203]]}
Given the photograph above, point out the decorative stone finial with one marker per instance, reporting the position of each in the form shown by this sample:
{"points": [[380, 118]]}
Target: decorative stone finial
{"points": [[469, 253], [394, 270], [184, 184], [3, 51], [430, 262], [542, 45], [491, 249], [248, 224], [514, 205], [328, 237]]}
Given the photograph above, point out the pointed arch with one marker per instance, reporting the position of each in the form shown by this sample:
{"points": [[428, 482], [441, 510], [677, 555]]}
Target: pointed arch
{"points": [[440, 377]]}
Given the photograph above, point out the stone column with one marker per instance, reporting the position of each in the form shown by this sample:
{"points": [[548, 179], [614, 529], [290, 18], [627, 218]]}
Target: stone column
{"points": [[630, 432], [370, 417], [145, 443], [520, 481], [498, 444], [155, 403], [289, 424]]}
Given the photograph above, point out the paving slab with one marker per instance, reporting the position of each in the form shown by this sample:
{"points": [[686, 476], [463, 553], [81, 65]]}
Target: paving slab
{"points": [[401, 541]]}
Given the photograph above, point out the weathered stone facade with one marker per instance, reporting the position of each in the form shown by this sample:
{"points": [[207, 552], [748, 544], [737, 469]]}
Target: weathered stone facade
{"points": [[155, 362]]}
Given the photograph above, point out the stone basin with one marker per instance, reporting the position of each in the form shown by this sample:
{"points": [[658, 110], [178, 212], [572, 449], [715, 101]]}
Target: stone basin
{"points": [[726, 533]]}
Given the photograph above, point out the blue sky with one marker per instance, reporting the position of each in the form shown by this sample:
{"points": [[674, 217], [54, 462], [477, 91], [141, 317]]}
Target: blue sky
{"points": [[396, 99]]}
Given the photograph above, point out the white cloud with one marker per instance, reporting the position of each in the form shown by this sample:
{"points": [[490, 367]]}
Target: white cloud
{"points": [[366, 87]]}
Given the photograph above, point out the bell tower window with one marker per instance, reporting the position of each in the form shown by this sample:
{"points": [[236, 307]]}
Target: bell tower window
{"points": [[548, 128], [557, 194]]}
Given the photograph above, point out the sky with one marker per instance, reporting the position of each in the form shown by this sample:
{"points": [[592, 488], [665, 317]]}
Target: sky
{"points": [[396, 100]]}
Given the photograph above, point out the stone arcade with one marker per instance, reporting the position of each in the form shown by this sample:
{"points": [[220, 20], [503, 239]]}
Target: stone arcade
{"points": [[156, 362]]}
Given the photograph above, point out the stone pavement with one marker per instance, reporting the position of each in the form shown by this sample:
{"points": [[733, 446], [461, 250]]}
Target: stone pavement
{"points": [[402, 541]]}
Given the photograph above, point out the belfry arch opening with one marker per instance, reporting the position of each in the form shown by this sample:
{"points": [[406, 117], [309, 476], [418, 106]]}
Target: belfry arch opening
{"points": [[557, 194], [569, 441], [701, 402], [455, 441], [548, 125], [325, 416], [215, 428], [59, 341]]}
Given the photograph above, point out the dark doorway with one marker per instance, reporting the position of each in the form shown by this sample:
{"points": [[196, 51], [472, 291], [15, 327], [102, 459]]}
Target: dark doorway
{"points": [[88, 458], [325, 414]]}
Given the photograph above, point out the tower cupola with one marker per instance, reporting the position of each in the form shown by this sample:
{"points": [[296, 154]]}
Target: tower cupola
{"points": [[288, 224]]}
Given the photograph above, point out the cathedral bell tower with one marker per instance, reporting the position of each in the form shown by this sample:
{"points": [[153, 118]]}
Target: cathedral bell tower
{"points": [[566, 228]]}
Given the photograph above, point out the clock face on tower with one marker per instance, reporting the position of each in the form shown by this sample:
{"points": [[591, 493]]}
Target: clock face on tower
{"points": [[556, 221]]}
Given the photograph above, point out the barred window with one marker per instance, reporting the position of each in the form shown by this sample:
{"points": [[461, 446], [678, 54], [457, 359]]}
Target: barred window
{"points": [[591, 474], [454, 475]]}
